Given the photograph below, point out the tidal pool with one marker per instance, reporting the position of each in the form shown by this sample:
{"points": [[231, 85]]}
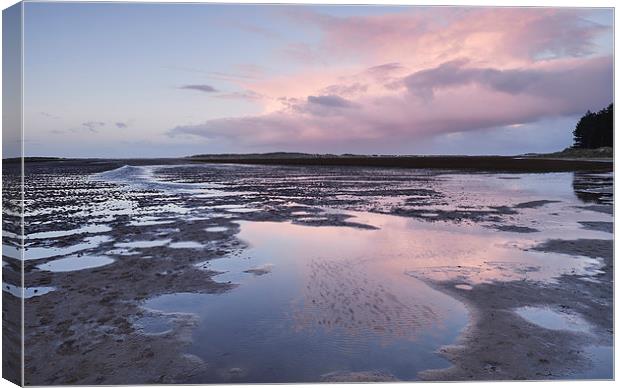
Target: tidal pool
{"points": [[143, 244], [28, 292], [61, 233], [339, 298], [216, 229], [186, 245], [319, 308], [35, 253], [75, 263], [552, 319]]}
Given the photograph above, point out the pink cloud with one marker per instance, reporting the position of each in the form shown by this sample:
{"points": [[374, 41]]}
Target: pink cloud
{"points": [[433, 35], [422, 74]]}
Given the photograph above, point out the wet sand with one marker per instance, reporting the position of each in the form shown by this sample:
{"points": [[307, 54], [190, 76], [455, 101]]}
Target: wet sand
{"points": [[501, 345], [91, 321]]}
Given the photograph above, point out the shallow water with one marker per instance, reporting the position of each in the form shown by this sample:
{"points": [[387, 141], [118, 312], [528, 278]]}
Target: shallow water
{"points": [[62, 233], [186, 245], [318, 308], [75, 263], [28, 292], [312, 300], [152, 325], [143, 244], [600, 356], [34, 253], [216, 229], [342, 296], [552, 319]]}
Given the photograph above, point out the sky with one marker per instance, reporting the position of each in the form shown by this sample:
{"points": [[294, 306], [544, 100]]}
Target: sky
{"points": [[157, 80]]}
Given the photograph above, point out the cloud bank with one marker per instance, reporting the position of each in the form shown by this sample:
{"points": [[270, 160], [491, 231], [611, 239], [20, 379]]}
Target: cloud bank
{"points": [[422, 74]]}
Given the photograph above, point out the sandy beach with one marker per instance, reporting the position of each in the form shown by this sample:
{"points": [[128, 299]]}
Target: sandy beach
{"points": [[162, 271]]}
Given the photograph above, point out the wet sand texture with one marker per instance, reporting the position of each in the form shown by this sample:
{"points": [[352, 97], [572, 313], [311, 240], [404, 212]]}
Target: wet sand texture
{"points": [[162, 238], [500, 345], [11, 274]]}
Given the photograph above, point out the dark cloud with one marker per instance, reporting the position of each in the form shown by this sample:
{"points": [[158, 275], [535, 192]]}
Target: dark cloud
{"points": [[545, 82], [93, 126], [121, 125], [200, 88], [385, 68], [331, 101]]}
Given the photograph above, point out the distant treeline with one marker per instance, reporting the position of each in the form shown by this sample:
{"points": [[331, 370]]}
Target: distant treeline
{"points": [[276, 155], [595, 130], [474, 163]]}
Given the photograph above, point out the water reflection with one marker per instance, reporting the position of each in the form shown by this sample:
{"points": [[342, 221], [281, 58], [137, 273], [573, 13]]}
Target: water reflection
{"points": [[323, 291], [594, 188], [338, 295], [342, 295]]}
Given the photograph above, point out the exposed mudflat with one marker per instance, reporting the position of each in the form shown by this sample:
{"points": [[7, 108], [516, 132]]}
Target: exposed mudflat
{"points": [[173, 273], [499, 344]]}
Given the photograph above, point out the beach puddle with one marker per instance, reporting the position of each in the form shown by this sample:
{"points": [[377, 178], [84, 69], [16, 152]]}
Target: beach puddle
{"points": [[153, 325], [62, 233], [216, 229], [242, 210], [75, 263], [301, 213], [552, 319], [186, 245], [149, 221], [12, 251], [28, 292], [143, 244], [35, 253]]}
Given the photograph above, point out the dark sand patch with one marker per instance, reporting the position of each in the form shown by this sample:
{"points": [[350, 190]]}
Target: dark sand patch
{"points": [[476, 163], [600, 226], [515, 229], [260, 271], [533, 204], [582, 247], [357, 377]]}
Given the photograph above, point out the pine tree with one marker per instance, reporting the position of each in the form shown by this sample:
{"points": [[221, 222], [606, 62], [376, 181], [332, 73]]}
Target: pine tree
{"points": [[595, 130]]}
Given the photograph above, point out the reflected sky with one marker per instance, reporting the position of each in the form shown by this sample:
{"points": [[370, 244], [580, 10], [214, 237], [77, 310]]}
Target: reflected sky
{"points": [[339, 298], [321, 307]]}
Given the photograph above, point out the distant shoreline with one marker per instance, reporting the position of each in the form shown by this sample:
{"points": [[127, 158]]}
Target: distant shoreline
{"points": [[467, 163], [475, 163]]}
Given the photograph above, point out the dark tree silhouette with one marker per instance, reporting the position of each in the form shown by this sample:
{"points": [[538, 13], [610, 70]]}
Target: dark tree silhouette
{"points": [[595, 130]]}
